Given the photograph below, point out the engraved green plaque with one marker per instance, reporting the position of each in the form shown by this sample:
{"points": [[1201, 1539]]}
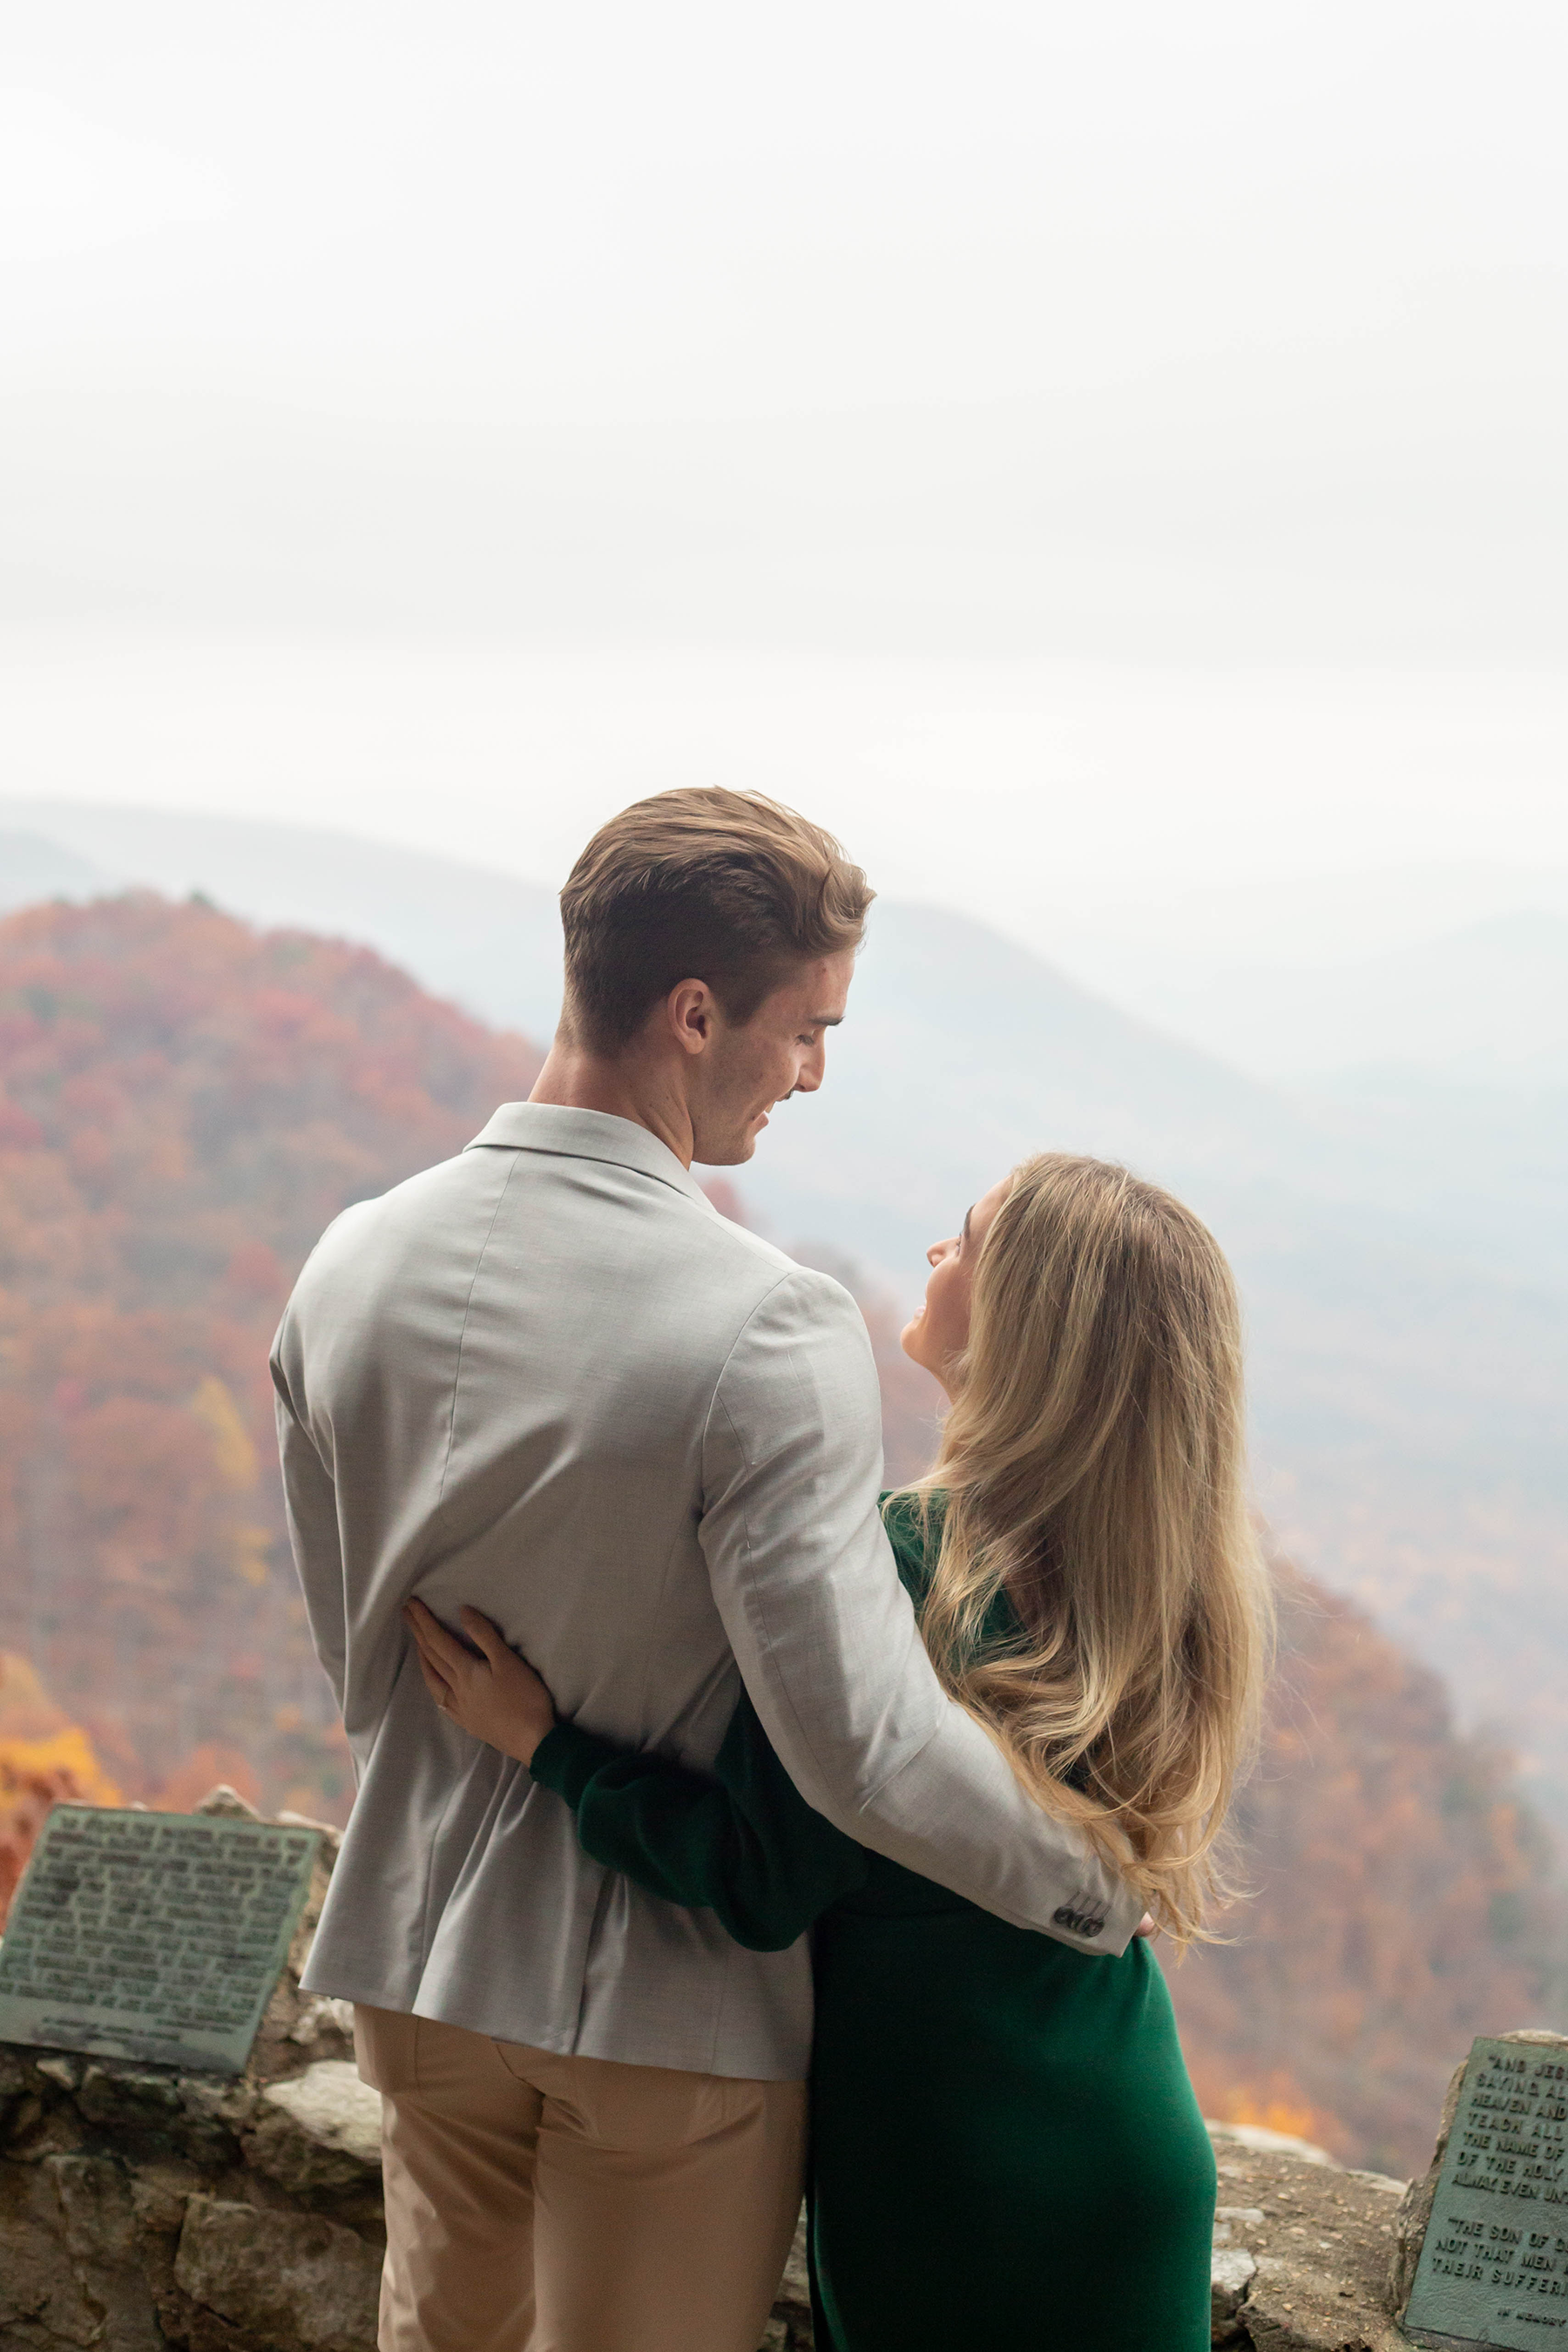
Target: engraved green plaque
{"points": [[1494, 2261], [152, 1935]]}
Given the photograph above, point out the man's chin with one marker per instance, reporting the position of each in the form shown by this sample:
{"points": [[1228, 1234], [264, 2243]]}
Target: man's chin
{"points": [[732, 1153]]}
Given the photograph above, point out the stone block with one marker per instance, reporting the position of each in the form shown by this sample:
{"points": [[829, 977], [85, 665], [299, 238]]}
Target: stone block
{"points": [[43, 2125], [160, 2194], [1319, 2240], [129, 2103], [319, 2132], [294, 2282], [41, 2300], [1232, 2270], [98, 2227], [323, 2020], [214, 2112], [97, 2221], [68, 2269]]}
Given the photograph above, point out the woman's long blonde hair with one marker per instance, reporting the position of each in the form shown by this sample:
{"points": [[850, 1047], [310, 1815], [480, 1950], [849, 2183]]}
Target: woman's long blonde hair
{"points": [[1093, 1469]]}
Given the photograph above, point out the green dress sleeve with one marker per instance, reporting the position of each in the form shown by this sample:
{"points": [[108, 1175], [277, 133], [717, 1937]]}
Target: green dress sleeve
{"points": [[740, 1842]]}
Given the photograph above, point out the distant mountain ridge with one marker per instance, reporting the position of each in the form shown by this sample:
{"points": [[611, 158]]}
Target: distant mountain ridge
{"points": [[34, 867], [488, 940]]}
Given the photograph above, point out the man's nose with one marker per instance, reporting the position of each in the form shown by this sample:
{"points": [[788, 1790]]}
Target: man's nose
{"points": [[809, 1076]]}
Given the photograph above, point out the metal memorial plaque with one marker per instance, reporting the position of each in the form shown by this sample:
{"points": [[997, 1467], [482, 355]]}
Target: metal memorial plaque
{"points": [[152, 1935], [1494, 2262]]}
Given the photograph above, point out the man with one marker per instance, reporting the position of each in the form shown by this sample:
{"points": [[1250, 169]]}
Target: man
{"points": [[548, 1380]]}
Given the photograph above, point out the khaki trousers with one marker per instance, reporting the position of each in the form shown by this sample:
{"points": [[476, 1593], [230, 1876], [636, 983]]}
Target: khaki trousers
{"points": [[543, 2204]]}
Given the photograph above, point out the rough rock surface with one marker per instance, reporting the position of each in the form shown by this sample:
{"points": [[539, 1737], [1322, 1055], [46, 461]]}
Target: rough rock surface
{"points": [[287, 2277], [1319, 2240], [318, 2131], [141, 2208]]}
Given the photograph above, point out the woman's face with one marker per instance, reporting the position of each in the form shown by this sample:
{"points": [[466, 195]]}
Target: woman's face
{"points": [[940, 1331]]}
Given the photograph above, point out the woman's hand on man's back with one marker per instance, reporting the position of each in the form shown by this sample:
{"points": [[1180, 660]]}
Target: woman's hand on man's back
{"points": [[480, 1684]]}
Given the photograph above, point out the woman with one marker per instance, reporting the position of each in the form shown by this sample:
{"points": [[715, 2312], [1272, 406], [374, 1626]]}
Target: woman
{"points": [[1006, 2151]]}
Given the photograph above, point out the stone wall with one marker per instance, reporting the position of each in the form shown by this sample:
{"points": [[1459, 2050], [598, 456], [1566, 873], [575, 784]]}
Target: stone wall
{"points": [[142, 2208]]}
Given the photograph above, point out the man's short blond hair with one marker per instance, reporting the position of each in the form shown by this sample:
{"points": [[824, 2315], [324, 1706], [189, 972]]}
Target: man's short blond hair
{"points": [[700, 883]]}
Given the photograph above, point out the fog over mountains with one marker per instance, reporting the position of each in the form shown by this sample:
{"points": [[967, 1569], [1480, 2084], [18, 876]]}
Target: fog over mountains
{"points": [[1484, 1002], [1398, 1238]]}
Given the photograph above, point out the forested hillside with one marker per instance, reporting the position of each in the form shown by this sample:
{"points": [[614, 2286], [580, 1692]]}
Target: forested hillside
{"points": [[1400, 1902], [185, 1103]]}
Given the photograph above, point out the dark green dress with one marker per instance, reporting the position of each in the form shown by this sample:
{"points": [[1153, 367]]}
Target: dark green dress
{"points": [[1006, 2153]]}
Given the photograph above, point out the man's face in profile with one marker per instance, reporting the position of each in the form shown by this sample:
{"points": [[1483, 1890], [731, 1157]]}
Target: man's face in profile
{"points": [[781, 1050]]}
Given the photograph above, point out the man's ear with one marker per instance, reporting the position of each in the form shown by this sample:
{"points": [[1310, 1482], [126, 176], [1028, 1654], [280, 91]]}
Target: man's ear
{"points": [[689, 1009]]}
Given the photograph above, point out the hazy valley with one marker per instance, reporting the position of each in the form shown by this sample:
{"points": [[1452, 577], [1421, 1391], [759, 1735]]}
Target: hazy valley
{"points": [[1398, 1237]]}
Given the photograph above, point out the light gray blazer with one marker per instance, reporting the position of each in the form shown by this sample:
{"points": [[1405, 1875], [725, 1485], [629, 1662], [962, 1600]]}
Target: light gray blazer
{"points": [[549, 1378]]}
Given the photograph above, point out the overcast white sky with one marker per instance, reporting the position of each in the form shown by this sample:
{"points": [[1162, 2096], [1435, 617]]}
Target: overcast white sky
{"points": [[1119, 446]]}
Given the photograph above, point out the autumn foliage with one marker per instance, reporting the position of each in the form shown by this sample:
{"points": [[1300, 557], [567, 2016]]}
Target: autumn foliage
{"points": [[184, 1104], [44, 1760]]}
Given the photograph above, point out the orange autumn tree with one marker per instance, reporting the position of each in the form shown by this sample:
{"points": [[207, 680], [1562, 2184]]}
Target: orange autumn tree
{"points": [[44, 1759], [185, 1102]]}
